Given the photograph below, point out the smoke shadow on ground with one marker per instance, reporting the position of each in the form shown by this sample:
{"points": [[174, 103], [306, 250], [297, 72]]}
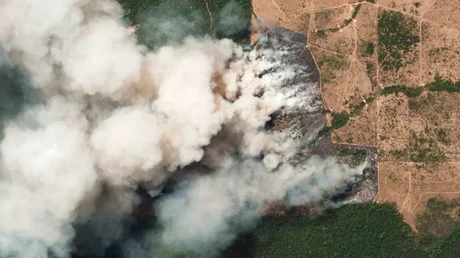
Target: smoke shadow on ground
{"points": [[15, 90]]}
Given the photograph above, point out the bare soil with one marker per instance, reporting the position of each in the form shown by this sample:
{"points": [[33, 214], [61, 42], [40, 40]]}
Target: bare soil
{"points": [[321, 4], [445, 12], [428, 181], [299, 24], [394, 183], [436, 117], [328, 31], [360, 129], [412, 7], [440, 52], [393, 127], [366, 42], [350, 73], [268, 13], [293, 8], [344, 80]]}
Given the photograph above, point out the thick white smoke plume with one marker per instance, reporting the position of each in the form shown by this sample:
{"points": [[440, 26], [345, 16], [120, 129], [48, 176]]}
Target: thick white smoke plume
{"points": [[115, 115]]}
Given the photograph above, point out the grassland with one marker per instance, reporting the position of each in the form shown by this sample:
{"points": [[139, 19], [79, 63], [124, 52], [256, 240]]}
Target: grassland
{"points": [[340, 119]]}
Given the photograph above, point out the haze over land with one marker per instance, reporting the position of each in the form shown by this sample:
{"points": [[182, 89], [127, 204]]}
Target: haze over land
{"points": [[172, 141], [99, 116]]}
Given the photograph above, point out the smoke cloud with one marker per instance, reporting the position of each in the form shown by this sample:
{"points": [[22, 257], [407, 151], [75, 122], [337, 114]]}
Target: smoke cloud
{"points": [[114, 116]]}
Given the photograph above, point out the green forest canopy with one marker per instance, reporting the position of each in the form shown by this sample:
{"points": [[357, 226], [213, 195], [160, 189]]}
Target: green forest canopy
{"points": [[355, 230], [170, 21]]}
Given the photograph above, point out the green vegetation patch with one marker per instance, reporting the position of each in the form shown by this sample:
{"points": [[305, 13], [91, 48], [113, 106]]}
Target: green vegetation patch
{"points": [[367, 49], [442, 136], [425, 149], [440, 217], [321, 34], [356, 109], [356, 11], [352, 157], [355, 230], [371, 1], [336, 63], [339, 120], [446, 247], [408, 91], [416, 104], [399, 154], [397, 37], [411, 92], [443, 85], [323, 15]]}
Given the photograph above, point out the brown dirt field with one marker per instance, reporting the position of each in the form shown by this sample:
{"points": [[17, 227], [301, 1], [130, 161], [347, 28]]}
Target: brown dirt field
{"points": [[394, 182], [292, 8], [440, 52], [347, 87], [328, 75], [325, 31], [344, 82], [254, 38], [445, 12], [437, 117], [413, 7], [410, 185], [360, 129], [350, 74], [393, 127], [268, 12], [341, 42], [322, 4], [407, 211], [429, 181], [426, 116], [408, 75], [420, 206], [300, 24], [366, 29], [366, 21], [427, 176], [330, 18]]}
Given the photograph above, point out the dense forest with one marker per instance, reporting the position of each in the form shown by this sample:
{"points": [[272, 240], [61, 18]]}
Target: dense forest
{"points": [[170, 21], [355, 230]]}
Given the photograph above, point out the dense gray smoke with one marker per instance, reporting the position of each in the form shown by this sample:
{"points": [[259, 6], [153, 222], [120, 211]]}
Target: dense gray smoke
{"points": [[114, 116]]}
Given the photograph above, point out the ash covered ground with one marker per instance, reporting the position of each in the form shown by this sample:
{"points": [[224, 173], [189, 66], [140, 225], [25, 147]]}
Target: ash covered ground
{"points": [[305, 123]]}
